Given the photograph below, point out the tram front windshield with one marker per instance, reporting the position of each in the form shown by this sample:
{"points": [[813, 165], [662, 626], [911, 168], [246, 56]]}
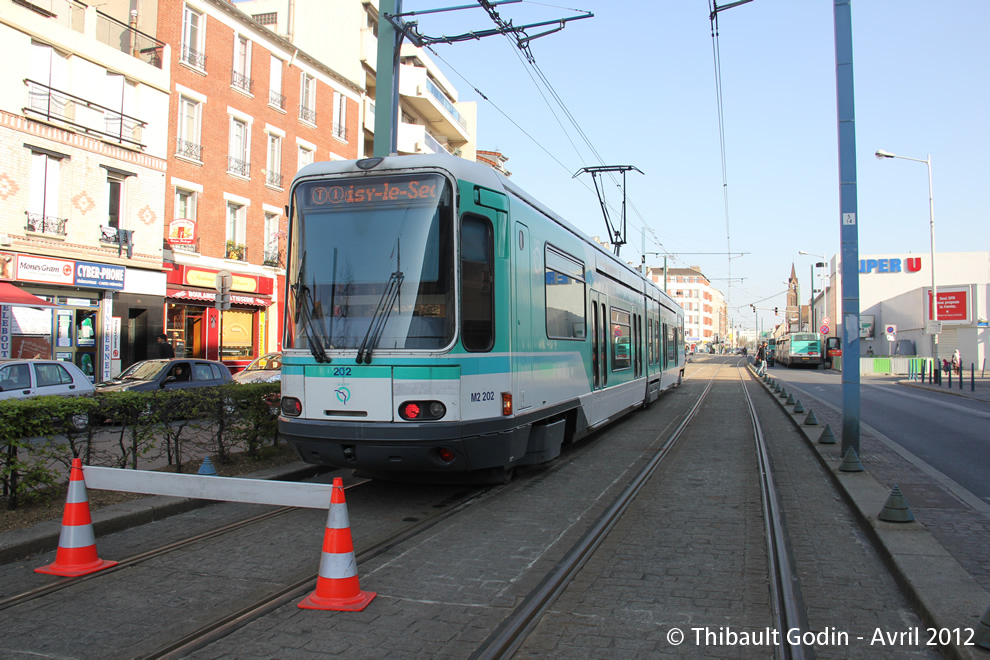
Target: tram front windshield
{"points": [[371, 264]]}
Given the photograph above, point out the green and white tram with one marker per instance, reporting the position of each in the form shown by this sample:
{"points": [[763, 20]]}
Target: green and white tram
{"points": [[439, 319]]}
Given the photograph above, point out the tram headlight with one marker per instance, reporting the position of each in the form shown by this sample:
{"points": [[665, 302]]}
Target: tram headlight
{"points": [[416, 411]]}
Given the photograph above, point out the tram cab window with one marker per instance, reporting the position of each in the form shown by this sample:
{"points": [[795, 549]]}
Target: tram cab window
{"points": [[477, 284]]}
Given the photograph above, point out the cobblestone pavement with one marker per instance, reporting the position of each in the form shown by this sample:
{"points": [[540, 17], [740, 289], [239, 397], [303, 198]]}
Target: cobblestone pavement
{"points": [[689, 554]]}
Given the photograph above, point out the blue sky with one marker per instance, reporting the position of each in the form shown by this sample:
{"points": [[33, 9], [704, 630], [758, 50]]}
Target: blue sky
{"points": [[639, 80]]}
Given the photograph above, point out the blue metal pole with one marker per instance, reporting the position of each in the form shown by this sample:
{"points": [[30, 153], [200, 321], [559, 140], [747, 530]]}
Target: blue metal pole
{"points": [[387, 89], [848, 227]]}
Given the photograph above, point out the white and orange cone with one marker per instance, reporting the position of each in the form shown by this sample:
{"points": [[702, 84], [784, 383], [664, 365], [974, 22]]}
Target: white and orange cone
{"points": [[76, 553], [337, 586]]}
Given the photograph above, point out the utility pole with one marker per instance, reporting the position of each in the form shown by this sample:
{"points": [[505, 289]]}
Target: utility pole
{"points": [[848, 227], [394, 30]]}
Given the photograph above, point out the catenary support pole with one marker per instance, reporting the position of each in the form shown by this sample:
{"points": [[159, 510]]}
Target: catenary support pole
{"points": [[848, 227]]}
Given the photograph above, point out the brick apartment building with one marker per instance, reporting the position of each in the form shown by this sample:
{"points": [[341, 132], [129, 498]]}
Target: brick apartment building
{"points": [[247, 110]]}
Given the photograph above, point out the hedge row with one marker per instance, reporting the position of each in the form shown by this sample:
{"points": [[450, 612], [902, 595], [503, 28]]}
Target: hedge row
{"points": [[40, 436]]}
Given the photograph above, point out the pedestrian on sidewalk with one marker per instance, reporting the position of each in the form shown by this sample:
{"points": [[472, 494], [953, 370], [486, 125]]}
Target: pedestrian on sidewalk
{"points": [[165, 350], [956, 362], [761, 359]]}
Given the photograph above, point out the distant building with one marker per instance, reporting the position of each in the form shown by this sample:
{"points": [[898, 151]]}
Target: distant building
{"points": [[493, 159], [705, 320], [895, 290]]}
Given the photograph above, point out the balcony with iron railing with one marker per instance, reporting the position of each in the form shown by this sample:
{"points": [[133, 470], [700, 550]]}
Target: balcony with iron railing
{"points": [[274, 179], [45, 224], [307, 114], [83, 115], [235, 251], [339, 131], [192, 57], [238, 167], [273, 258], [276, 99], [189, 150], [108, 30], [240, 81]]}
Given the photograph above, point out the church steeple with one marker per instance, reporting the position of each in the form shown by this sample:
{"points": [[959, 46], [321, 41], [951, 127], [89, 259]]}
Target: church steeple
{"points": [[792, 288]]}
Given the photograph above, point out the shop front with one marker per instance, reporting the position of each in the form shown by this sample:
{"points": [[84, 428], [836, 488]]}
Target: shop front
{"points": [[196, 329], [79, 326]]}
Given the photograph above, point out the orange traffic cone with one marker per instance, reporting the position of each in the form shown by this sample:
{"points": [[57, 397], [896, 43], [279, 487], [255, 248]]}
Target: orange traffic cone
{"points": [[337, 586], [76, 553]]}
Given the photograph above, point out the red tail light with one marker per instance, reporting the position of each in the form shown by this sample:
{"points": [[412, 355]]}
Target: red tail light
{"points": [[506, 403]]}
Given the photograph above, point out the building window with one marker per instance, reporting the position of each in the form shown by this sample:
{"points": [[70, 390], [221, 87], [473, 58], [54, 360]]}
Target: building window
{"points": [[268, 18], [193, 32], [47, 81], [271, 240], [307, 98], [339, 129], [42, 212], [274, 166], [240, 75], [306, 156], [115, 202], [187, 139], [236, 232], [238, 160], [275, 97]]}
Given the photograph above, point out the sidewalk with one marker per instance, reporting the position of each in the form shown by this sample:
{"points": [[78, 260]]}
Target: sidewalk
{"points": [[975, 387]]}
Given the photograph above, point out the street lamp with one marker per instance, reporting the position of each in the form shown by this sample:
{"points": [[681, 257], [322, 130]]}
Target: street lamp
{"points": [[881, 154], [823, 265]]}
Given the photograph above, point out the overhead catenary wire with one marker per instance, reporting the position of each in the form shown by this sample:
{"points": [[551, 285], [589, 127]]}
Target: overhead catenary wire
{"points": [[717, 58]]}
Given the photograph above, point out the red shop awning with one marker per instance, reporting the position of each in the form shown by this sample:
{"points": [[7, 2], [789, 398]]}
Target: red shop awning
{"points": [[209, 297], [12, 295]]}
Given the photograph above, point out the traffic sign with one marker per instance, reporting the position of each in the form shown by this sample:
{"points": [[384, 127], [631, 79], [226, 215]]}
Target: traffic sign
{"points": [[824, 329], [890, 329], [225, 279], [826, 321]]}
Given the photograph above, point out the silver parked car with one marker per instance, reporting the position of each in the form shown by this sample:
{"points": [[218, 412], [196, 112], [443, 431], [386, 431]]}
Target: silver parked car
{"points": [[266, 369], [20, 379]]}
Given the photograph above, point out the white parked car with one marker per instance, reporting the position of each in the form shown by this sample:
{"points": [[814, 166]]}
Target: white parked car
{"points": [[20, 379]]}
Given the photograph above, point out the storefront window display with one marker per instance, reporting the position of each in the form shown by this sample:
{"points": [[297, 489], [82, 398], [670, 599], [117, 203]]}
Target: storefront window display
{"points": [[238, 334]]}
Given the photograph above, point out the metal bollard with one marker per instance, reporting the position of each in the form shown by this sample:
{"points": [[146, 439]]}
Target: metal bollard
{"points": [[972, 377]]}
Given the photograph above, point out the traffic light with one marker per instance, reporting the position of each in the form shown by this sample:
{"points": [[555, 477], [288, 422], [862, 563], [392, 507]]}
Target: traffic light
{"points": [[775, 312]]}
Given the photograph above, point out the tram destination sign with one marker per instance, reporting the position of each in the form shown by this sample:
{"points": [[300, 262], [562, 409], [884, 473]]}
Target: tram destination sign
{"points": [[392, 190]]}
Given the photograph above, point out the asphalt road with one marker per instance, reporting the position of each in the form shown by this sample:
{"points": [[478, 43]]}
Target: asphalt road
{"points": [[948, 433]]}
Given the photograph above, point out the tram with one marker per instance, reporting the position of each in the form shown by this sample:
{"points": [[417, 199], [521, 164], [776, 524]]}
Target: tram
{"points": [[799, 348], [438, 319]]}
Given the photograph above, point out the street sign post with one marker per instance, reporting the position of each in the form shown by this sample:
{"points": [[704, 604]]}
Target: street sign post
{"points": [[824, 329], [225, 280]]}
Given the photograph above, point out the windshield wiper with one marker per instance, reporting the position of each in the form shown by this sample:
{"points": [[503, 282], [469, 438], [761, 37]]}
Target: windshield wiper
{"points": [[305, 306], [378, 321]]}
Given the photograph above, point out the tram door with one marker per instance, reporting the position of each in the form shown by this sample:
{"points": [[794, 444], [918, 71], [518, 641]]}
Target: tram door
{"points": [[598, 316], [522, 328]]}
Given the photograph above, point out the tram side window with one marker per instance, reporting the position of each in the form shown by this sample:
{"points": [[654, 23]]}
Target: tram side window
{"points": [[621, 340], [671, 345], [477, 284], [565, 296]]}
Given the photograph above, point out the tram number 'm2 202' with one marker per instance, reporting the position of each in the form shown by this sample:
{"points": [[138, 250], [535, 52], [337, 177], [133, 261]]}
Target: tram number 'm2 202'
{"points": [[477, 397]]}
